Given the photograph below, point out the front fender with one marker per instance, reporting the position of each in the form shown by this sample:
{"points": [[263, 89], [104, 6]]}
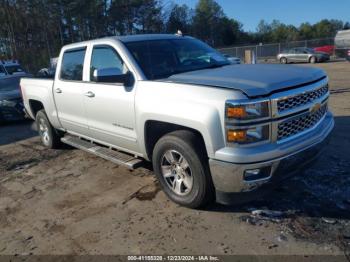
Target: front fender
{"points": [[200, 117]]}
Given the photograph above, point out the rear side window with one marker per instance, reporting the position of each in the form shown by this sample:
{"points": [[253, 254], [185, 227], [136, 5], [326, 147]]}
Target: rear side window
{"points": [[72, 65], [2, 70]]}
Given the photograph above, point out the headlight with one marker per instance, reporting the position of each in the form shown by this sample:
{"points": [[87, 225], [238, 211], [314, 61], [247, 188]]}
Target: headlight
{"points": [[247, 111], [248, 135]]}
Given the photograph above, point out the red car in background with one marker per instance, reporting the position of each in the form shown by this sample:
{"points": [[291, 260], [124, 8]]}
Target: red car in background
{"points": [[329, 49]]}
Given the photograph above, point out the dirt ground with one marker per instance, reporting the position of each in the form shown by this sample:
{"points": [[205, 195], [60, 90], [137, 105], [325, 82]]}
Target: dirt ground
{"points": [[70, 202]]}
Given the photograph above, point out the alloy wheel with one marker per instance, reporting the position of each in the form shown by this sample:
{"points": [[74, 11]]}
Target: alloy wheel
{"points": [[177, 172]]}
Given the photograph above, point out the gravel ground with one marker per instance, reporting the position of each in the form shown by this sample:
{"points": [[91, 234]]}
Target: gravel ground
{"points": [[69, 202]]}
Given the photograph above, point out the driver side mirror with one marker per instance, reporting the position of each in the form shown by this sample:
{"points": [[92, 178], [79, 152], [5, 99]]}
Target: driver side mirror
{"points": [[111, 75]]}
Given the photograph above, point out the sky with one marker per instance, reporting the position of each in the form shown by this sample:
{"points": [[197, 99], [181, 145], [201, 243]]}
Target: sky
{"points": [[295, 12]]}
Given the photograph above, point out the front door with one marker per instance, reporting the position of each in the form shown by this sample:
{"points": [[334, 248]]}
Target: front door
{"points": [[68, 92], [110, 106]]}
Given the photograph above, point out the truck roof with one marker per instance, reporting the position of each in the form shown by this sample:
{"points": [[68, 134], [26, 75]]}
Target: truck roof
{"points": [[133, 38], [148, 37]]}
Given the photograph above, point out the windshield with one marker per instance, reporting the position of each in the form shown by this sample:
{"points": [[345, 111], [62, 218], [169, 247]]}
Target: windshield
{"points": [[13, 69], [163, 58]]}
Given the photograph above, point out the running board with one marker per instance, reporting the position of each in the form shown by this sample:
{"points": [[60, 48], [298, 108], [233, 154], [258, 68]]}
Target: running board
{"points": [[114, 156]]}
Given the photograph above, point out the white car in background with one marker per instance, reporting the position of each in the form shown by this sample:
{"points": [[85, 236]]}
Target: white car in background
{"points": [[232, 59], [9, 68]]}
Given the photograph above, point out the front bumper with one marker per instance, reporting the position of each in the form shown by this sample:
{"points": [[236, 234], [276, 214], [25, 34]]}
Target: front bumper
{"points": [[324, 58], [229, 178]]}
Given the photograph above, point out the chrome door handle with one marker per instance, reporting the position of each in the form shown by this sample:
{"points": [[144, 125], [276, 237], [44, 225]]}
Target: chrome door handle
{"points": [[89, 94], [58, 90]]}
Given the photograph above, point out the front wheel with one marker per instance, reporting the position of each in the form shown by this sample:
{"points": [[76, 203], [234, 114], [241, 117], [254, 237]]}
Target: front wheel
{"points": [[283, 60], [48, 134], [181, 167]]}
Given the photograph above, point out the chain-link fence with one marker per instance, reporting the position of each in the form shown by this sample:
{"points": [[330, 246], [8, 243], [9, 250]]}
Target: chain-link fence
{"points": [[270, 51]]}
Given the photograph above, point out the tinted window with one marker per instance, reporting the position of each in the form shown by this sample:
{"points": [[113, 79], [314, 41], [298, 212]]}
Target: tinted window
{"points": [[72, 65], [298, 51], [105, 57], [163, 58]]}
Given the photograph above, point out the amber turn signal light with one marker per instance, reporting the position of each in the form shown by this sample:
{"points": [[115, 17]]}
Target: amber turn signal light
{"points": [[236, 135], [236, 112]]}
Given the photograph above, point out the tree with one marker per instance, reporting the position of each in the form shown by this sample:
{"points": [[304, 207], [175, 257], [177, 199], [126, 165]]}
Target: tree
{"points": [[327, 28], [35, 30], [230, 31], [283, 33], [179, 19], [263, 31], [306, 31], [207, 20]]}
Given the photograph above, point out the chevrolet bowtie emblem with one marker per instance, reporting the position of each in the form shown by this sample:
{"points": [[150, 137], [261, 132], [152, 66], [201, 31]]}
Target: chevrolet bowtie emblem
{"points": [[315, 108]]}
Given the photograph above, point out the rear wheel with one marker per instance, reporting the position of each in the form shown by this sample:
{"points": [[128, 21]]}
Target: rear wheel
{"points": [[181, 167], [48, 134], [313, 60], [283, 60]]}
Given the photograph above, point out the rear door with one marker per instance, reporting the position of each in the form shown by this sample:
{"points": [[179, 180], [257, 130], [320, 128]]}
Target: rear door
{"points": [[68, 91], [110, 106]]}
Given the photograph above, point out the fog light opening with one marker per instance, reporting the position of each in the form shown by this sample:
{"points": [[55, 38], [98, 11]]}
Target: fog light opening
{"points": [[253, 175]]}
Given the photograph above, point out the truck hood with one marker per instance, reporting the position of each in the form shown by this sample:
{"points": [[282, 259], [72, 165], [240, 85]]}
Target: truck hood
{"points": [[253, 80]]}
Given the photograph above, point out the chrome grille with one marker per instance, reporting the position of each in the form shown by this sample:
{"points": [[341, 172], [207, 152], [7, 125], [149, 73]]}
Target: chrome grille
{"points": [[301, 99], [299, 124]]}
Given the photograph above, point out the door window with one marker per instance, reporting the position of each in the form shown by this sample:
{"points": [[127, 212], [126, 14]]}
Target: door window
{"points": [[72, 65], [105, 57]]}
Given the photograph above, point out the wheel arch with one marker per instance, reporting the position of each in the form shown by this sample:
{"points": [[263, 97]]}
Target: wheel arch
{"points": [[35, 106], [155, 129]]}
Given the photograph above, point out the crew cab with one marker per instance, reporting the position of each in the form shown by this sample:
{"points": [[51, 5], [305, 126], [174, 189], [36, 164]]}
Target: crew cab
{"points": [[212, 130]]}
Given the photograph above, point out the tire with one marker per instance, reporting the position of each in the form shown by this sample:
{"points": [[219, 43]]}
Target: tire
{"points": [[283, 60], [195, 188], [48, 134], [313, 60]]}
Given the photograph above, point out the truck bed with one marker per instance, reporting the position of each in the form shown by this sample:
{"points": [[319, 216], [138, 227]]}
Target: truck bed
{"points": [[34, 89]]}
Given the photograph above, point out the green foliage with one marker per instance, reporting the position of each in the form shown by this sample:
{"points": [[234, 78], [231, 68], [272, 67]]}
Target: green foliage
{"points": [[180, 18], [35, 30], [279, 32]]}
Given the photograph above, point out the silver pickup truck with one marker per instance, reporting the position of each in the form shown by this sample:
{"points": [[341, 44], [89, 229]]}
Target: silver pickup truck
{"points": [[213, 131]]}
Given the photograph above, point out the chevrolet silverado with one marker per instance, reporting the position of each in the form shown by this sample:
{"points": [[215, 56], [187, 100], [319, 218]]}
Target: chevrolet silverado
{"points": [[212, 130]]}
